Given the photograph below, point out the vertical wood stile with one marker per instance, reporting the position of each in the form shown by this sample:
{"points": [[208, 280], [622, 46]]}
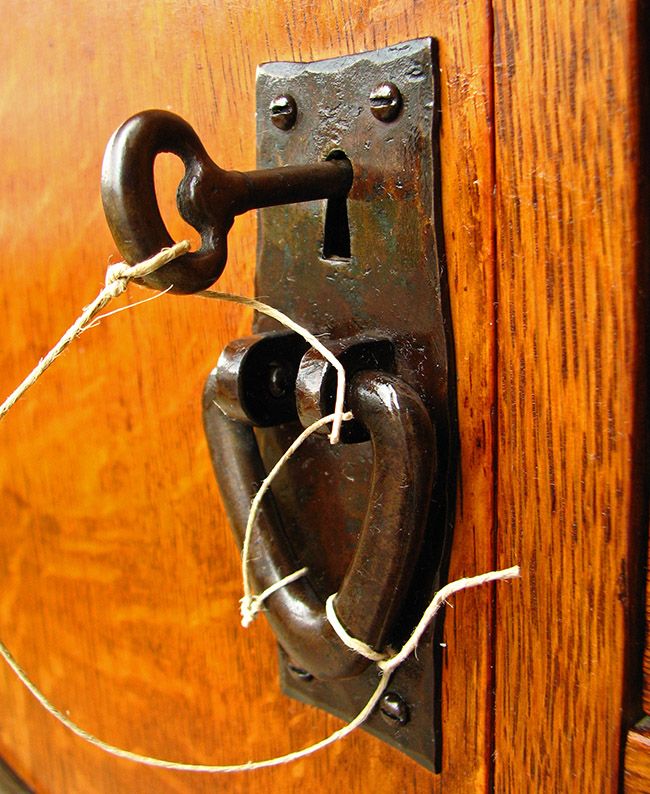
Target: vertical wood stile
{"points": [[569, 375]]}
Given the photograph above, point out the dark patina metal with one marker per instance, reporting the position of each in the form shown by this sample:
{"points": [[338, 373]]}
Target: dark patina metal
{"points": [[350, 246], [315, 387], [389, 285], [257, 376], [208, 198], [298, 673], [373, 589]]}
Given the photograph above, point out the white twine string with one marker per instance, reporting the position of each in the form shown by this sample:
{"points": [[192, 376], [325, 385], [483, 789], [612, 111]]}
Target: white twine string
{"points": [[251, 604], [358, 646], [387, 668], [156, 296], [282, 318], [390, 664], [117, 279]]}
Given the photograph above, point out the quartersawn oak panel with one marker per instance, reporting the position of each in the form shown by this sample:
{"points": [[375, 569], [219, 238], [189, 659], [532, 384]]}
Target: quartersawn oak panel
{"points": [[569, 371], [637, 759], [120, 579]]}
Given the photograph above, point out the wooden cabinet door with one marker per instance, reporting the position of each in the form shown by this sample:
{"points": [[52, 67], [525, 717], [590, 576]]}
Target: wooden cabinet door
{"points": [[571, 492], [120, 581]]}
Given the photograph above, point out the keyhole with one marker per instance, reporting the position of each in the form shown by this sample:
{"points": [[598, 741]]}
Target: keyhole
{"points": [[336, 237]]}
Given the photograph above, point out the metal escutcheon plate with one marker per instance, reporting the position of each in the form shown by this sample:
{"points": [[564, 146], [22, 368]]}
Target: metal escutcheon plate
{"points": [[391, 283]]}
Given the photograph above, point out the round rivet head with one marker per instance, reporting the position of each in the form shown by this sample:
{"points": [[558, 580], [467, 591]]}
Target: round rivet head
{"points": [[284, 111], [279, 381], [394, 710], [385, 102]]}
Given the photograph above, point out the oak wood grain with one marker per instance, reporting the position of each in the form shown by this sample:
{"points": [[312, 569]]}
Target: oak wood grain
{"points": [[646, 655], [570, 370], [637, 759], [120, 580]]}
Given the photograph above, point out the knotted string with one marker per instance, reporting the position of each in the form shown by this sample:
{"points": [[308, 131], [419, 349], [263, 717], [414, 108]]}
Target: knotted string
{"points": [[386, 669], [251, 604], [117, 280]]}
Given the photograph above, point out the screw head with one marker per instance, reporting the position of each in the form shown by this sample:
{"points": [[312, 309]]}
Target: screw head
{"points": [[284, 111], [385, 102], [394, 710], [298, 673]]}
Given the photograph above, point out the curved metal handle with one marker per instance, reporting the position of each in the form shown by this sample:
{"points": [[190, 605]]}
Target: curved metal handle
{"points": [[372, 591], [208, 197]]}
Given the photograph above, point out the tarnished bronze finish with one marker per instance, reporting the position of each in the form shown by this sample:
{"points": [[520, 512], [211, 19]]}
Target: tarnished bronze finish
{"points": [[256, 378], [364, 270], [208, 197], [316, 379], [374, 588], [369, 266]]}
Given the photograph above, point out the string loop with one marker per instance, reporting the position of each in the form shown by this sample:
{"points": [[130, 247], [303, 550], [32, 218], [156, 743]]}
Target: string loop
{"points": [[358, 646], [117, 280]]}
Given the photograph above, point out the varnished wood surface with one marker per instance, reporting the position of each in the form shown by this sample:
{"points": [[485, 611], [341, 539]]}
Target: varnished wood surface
{"points": [[646, 655], [120, 580], [569, 368], [637, 760]]}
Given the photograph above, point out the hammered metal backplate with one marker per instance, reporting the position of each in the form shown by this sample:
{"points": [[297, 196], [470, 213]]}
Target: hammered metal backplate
{"points": [[391, 282]]}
